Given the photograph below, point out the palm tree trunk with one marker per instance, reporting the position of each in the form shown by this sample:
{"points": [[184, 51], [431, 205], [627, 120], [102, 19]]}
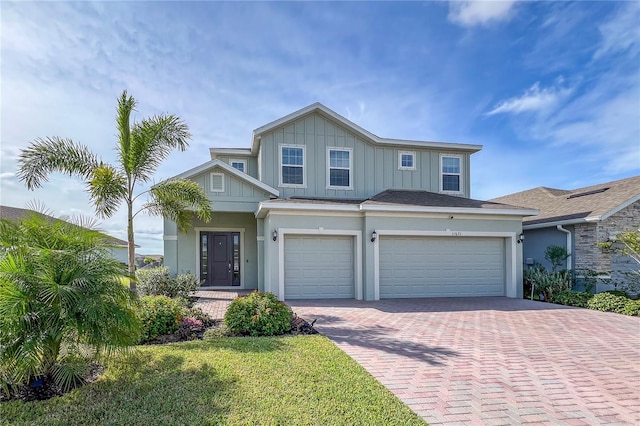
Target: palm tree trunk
{"points": [[132, 247]]}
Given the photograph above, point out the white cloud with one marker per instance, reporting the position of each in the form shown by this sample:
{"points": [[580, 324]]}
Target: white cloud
{"points": [[534, 99], [621, 32], [469, 13]]}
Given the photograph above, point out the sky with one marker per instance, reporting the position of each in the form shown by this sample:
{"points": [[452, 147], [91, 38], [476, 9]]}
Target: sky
{"points": [[550, 89]]}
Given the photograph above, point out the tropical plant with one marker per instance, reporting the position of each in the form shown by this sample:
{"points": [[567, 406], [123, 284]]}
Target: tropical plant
{"points": [[160, 315], [556, 255], [572, 298], [548, 284], [627, 244], [156, 281], [61, 302], [141, 147], [258, 314]]}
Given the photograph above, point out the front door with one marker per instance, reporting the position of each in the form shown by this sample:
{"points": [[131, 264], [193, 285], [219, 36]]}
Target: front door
{"points": [[220, 259]]}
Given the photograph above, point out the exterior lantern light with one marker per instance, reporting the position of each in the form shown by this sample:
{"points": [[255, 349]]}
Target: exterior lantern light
{"points": [[374, 236], [274, 235], [520, 237]]}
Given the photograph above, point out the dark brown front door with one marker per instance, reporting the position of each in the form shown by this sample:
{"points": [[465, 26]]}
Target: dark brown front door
{"points": [[220, 259]]}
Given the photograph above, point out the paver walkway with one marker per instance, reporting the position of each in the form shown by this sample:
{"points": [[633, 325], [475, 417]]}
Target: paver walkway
{"points": [[215, 302], [492, 360]]}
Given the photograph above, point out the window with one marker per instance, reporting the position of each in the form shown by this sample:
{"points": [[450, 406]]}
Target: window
{"points": [[239, 165], [217, 182], [292, 165], [339, 165], [406, 160], [450, 173]]}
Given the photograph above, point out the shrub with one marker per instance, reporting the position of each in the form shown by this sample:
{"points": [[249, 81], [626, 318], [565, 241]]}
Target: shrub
{"points": [[548, 284], [198, 314], [258, 314], [617, 293], [217, 332], [607, 302], [160, 315], [632, 308], [191, 322], [572, 298], [157, 282]]}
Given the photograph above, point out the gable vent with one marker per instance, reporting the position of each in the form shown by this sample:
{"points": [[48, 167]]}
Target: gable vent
{"points": [[217, 182], [584, 194]]}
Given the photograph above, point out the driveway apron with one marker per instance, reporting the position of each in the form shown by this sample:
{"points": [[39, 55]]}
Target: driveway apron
{"points": [[492, 360]]}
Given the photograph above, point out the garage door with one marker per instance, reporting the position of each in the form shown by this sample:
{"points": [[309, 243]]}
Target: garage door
{"points": [[318, 267], [441, 267]]}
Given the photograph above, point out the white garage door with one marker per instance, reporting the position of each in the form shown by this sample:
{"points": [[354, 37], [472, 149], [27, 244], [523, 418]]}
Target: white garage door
{"points": [[441, 267], [318, 267]]}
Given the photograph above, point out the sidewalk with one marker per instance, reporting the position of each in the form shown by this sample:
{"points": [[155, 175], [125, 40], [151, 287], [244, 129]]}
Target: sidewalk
{"points": [[215, 302]]}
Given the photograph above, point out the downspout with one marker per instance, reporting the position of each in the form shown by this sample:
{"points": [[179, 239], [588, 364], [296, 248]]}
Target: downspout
{"points": [[569, 251]]}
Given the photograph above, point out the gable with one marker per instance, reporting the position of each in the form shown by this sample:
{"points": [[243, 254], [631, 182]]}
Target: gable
{"points": [[220, 185]]}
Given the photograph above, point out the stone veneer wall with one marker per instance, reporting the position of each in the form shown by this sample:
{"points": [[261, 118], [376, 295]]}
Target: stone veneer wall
{"points": [[587, 236]]}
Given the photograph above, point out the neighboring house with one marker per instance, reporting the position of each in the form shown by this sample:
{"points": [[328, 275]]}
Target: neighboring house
{"points": [[118, 247], [156, 261], [578, 220], [319, 207]]}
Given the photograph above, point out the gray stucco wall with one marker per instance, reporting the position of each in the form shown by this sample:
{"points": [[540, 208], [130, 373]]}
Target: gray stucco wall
{"points": [[375, 168], [537, 240]]}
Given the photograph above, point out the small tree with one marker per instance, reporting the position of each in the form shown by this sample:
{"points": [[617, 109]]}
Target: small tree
{"points": [[141, 148], [627, 244], [60, 294], [556, 255]]}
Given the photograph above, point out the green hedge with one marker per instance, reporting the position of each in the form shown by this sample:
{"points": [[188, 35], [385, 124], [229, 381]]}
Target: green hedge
{"points": [[160, 315], [258, 314]]}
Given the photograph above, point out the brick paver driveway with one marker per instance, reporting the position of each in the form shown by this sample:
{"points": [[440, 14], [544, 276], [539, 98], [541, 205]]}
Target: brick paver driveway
{"points": [[492, 360]]}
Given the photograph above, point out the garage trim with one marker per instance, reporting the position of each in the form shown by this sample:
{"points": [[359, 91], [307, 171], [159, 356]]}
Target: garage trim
{"points": [[510, 252], [282, 232]]}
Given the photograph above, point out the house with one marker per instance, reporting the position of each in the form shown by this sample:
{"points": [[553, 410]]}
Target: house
{"points": [[119, 248], [578, 219], [318, 207]]}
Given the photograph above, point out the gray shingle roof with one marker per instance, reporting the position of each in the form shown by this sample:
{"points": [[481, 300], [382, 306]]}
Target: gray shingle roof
{"points": [[15, 214], [432, 199], [557, 205]]}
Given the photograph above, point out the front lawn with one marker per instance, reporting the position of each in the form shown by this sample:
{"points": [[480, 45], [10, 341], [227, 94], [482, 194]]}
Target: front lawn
{"points": [[258, 381]]}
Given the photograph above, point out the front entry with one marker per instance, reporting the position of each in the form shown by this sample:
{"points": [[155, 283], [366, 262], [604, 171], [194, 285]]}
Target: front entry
{"points": [[220, 259]]}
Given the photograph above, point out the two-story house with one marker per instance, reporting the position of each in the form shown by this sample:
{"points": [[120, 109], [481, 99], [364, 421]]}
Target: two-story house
{"points": [[319, 207]]}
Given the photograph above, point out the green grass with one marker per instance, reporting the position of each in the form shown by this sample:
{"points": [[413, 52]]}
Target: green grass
{"points": [[241, 381]]}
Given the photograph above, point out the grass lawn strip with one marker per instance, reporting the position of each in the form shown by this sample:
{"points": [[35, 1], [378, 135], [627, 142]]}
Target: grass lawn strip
{"points": [[258, 381]]}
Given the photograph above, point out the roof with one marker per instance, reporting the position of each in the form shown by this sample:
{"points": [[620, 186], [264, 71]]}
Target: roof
{"points": [[398, 201], [323, 110], [587, 204], [14, 214]]}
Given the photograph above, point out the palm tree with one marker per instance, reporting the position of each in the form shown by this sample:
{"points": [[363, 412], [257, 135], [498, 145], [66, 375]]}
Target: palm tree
{"points": [[61, 302], [141, 148]]}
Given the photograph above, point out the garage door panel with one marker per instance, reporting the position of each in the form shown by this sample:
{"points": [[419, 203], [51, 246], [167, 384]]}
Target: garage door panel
{"points": [[319, 267], [441, 266]]}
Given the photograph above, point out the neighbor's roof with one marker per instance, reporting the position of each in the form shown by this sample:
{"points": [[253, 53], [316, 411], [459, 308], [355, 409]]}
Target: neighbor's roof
{"points": [[15, 214], [591, 203], [398, 201]]}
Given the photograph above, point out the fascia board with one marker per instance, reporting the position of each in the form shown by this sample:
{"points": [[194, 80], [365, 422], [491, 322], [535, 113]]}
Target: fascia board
{"points": [[458, 210]]}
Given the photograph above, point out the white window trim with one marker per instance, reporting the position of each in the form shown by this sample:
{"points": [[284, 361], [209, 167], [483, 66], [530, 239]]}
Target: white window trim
{"points": [[461, 174], [304, 166], [400, 154], [338, 148], [244, 163], [211, 182]]}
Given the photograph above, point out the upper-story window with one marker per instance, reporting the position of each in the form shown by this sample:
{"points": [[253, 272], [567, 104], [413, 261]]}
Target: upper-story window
{"points": [[292, 165], [451, 173], [406, 160], [339, 168], [239, 165]]}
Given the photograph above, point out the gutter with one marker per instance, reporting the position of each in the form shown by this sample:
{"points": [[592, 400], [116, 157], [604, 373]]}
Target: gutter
{"points": [[569, 248]]}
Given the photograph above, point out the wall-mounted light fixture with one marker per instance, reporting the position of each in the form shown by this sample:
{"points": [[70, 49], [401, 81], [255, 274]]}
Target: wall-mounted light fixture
{"points": [[520, 238], [274, 234], [374, 236]]}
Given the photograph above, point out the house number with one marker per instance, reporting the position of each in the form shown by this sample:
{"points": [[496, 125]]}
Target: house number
{"points": [[456, 234]]}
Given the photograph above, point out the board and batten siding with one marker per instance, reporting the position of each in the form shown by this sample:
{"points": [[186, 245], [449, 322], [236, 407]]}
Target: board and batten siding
{"points": [[252, 162], [375, 167], [237, 195]]}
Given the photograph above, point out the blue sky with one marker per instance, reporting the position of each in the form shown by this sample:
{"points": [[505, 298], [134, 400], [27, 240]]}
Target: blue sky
{"points": [[551, 89]]}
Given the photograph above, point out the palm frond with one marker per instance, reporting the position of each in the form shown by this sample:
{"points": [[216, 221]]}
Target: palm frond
{"points": [[107, 189], [178, 199], [53, 154], [152, 140], [126, 105]]}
